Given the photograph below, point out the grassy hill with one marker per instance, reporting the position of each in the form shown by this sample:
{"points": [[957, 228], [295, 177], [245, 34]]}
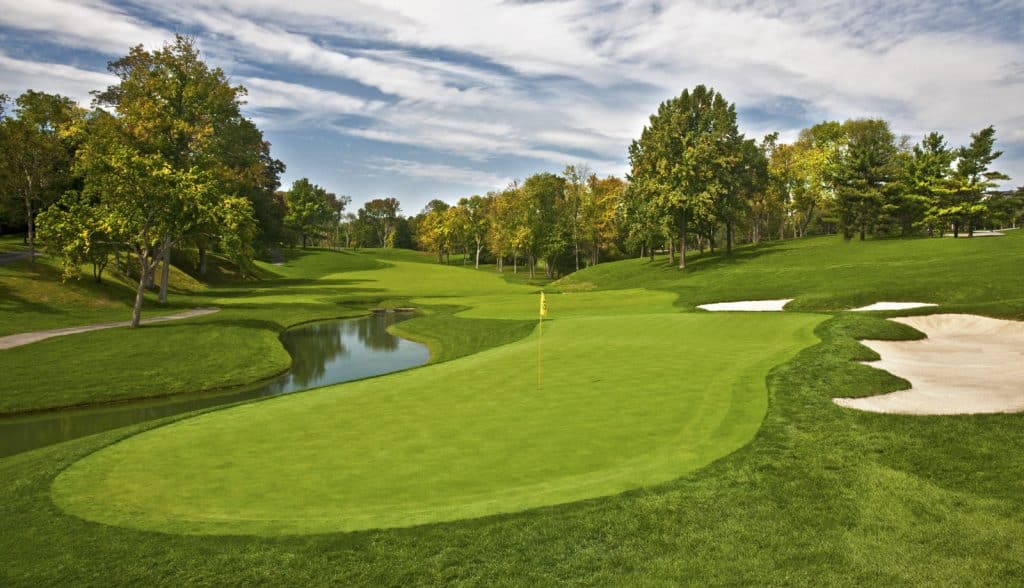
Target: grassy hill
{"points": [[598, 477]]}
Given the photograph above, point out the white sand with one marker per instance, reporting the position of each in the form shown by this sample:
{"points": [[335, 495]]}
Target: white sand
{"points": [[748, 305], [968, 364], [977, 234], [26, 338], [892, 306]]}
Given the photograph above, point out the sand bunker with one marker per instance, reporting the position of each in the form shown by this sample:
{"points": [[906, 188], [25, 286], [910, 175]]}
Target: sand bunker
{"points": [[747, 305], [892, 306], [968, 365], [977, 234]]}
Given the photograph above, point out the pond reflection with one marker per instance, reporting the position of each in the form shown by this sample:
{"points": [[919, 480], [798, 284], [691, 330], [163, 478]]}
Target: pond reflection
{"points": [[322, 353]]}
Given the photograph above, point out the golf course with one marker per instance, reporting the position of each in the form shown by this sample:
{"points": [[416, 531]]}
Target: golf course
{"points": [[629, 438]]}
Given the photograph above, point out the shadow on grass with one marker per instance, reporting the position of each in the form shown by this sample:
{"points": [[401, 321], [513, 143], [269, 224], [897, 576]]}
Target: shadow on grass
{"points": [[10, 301], [288, 287]]}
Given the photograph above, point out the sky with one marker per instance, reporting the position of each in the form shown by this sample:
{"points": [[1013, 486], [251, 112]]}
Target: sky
{"points": [[422, 99]]}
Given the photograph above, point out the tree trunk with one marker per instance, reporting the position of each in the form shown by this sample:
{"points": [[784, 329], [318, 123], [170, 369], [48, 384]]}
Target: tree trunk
{"points": [[29, 221], [576, 245], [956, 229], [671, 251], [862, 232], [202, 260], [165, 272], [728, 237], [515, 263], [682, 242], [642, 251], [478, 248], [140, 291]]}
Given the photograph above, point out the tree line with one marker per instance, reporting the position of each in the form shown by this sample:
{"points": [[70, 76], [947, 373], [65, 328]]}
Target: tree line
{"points": [[165, 162]]}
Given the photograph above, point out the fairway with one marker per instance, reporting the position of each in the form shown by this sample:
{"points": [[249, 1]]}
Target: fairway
{"points": [[462, 439]]}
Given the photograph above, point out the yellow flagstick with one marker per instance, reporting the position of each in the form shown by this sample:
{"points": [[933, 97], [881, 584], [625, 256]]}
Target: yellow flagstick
{"points": [[540, 335]]}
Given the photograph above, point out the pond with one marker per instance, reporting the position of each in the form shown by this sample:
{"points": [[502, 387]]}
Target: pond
{"points": [[322, 353]]}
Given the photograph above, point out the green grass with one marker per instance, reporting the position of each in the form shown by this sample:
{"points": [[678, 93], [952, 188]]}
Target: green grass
{"points": [[821, 495], [827, 274], [462, 439], [237, 345]]}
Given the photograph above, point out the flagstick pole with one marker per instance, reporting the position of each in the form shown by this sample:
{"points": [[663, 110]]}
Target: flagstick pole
{"points": [[539, 337]]}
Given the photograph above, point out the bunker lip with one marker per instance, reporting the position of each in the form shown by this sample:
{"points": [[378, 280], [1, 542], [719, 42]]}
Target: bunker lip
{"points": [[892, 306], [969, 364], [747, 305]]}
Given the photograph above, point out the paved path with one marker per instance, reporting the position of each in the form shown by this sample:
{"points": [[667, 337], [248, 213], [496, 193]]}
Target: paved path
{"points": [[26, 338]]}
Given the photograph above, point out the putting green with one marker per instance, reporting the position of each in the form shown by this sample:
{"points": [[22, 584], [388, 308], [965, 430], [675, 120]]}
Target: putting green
{"points": [[625, 402]]}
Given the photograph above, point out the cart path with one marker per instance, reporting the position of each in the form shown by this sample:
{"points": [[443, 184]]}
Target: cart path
{"points": [[26, 338]]}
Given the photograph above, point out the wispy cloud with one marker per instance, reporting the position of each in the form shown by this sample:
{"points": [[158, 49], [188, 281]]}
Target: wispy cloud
{"points": [[468, 84], [19, 75], [476, 180]]}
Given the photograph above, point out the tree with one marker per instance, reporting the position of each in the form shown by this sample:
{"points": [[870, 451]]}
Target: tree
{"points": [[577, 196], [506, 234], [141, 198], [244, 168], [815, 154], [73, 231], [476, 221], [542, 201], [348, 225], [864, 172], [431, 232], [748, 176], [684, 155], [642, 219], [37, 154], [600, 227], [927, 179], [972, 178], [309, 209], [177, 112], [380, 216]]}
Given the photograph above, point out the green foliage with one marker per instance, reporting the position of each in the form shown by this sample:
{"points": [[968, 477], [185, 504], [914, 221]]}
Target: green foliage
{"points": [[685, 158], [542, 198], [75, 232], [311, 211], [37, 148], [379, 218], [863, 174]]}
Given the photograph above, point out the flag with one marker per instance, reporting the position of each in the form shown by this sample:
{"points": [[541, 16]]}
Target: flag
{"points": [[543, 306]]}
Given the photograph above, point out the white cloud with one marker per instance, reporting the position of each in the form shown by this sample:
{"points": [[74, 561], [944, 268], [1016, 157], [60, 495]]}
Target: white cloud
{"points": [[311, 102], [19, 75], [575, 80], [478, 180], [85, 24]]}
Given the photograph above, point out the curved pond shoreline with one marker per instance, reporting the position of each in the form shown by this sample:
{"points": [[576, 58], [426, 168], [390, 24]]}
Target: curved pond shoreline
{"points": [[323, 353]]}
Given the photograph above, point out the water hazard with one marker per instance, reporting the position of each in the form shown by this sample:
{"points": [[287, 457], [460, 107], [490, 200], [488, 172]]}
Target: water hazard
{"points": [[322, 353]]}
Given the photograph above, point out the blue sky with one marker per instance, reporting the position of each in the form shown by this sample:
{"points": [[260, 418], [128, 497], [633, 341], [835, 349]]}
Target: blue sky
{"points": [[418, 99]]}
